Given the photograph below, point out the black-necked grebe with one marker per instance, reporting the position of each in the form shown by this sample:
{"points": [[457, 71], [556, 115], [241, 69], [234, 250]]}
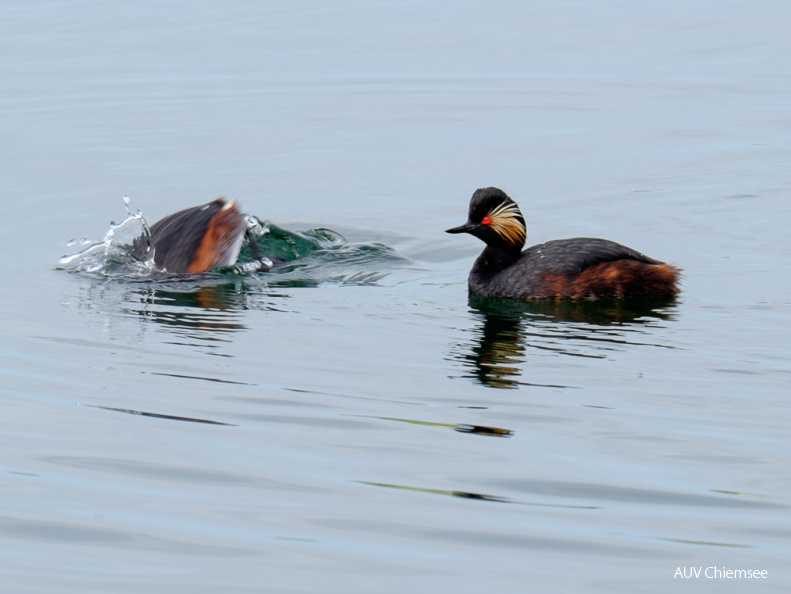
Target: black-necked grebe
{"points": [[198, 239], [579, 268]]}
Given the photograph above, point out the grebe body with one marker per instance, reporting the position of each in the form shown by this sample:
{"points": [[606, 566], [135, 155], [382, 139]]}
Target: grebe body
{"points": [[578, 268], [198, 239]]}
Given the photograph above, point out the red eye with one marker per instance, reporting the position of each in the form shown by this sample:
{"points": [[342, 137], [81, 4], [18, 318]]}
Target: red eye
{"points": [[486, 220]]}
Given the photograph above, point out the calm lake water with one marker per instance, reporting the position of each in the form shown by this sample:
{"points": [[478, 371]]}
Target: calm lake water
{"points": [[355, 423]]}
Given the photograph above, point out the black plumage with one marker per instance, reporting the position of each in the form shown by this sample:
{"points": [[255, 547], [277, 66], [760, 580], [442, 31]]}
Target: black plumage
{"points": [[578, 268]]}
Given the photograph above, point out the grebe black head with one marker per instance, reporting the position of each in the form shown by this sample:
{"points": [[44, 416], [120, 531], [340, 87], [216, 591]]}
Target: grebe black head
{"points": [[495, 219], [578, 268]]}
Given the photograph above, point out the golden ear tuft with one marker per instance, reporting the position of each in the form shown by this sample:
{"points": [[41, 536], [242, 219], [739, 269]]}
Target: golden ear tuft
{"points": [[507, 222]]}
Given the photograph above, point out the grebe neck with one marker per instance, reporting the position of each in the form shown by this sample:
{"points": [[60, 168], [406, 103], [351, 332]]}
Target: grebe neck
{"points": [[494, 259]]}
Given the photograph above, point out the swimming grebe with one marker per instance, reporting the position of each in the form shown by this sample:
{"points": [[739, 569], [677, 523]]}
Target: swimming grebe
{"points": [[579, 268], [200, 238]]}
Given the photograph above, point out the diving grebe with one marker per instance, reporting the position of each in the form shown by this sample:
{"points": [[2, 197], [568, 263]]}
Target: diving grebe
{"points": [[200, 238]]}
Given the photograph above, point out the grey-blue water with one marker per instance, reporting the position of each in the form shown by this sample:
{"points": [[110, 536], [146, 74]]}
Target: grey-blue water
{"points": [[356, 424]]}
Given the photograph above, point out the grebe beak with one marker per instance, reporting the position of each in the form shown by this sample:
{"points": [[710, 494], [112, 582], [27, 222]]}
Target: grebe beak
{"points": [[465, 228]]}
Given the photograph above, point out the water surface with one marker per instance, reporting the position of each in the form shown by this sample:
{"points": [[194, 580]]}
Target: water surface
{"points": [[356, 421]]}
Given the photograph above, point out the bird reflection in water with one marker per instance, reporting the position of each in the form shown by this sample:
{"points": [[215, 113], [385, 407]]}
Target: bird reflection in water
{"points": [[203, 313], [209, 309], [506, 329], [208, 313]]}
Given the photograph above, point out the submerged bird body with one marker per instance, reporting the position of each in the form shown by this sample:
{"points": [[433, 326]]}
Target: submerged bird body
{"points": [[197, 239], [579, 268]]}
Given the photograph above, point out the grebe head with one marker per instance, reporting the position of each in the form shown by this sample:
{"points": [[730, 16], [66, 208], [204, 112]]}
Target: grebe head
{"points": [[494, 219]]}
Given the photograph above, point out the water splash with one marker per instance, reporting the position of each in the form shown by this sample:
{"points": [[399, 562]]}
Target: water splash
{"points": [[112, 257], [299, 258]]}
